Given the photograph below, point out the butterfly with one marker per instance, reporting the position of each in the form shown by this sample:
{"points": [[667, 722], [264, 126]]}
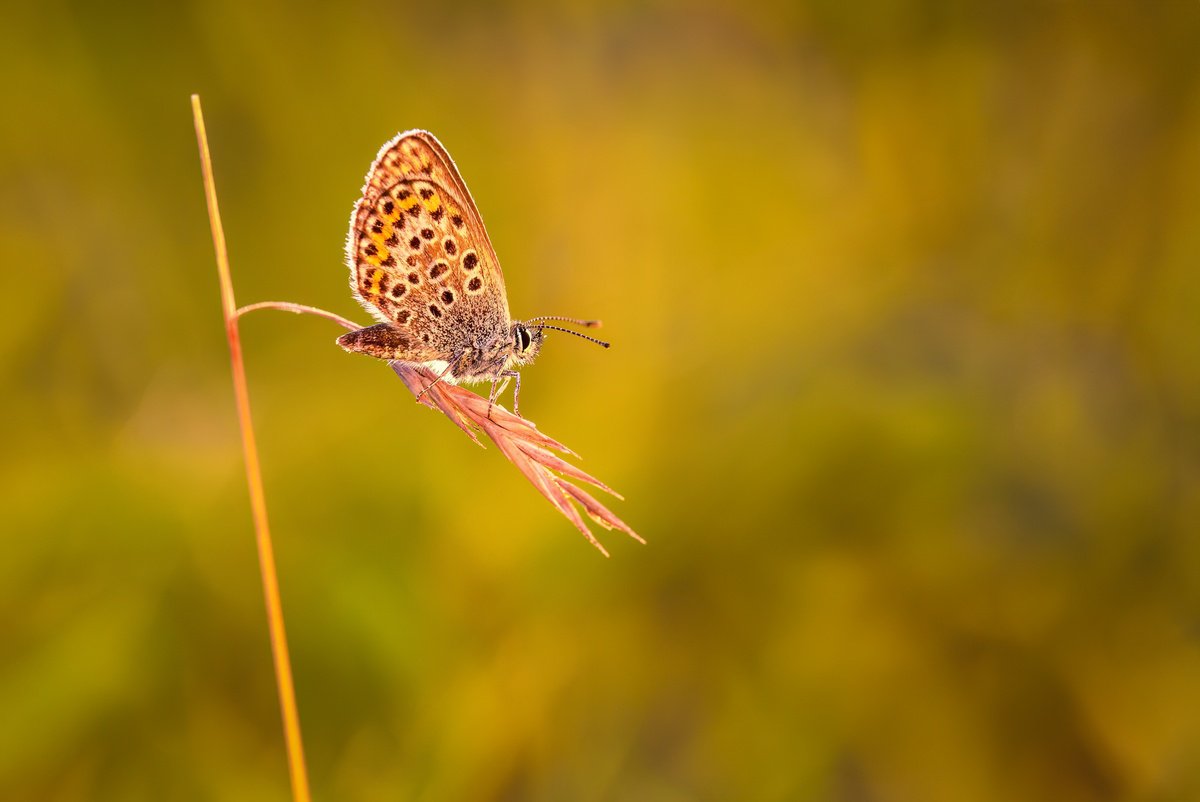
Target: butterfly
{"points": [[422, 264]]}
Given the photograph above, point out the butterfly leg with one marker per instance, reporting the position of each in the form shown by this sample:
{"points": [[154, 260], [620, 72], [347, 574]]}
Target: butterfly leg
{"points": [[498, 388], [440, 376], [516, 391], [492, 398]]}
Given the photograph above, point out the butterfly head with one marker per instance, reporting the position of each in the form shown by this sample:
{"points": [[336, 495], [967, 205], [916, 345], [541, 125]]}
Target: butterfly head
{"points": [[527, 342]]}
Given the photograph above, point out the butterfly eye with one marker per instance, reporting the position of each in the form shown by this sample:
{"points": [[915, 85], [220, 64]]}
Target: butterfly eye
{"points": [[523, 338]]}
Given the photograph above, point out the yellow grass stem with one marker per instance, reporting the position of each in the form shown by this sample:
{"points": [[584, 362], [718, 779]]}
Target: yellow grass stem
{"points": [[258, 503]]}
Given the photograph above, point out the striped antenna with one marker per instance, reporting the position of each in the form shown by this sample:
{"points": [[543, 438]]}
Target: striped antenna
{"points": [[541, 326], [587, 324]]}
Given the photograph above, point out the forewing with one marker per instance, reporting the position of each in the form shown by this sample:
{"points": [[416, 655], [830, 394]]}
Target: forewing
{"points": [[419, 256]]}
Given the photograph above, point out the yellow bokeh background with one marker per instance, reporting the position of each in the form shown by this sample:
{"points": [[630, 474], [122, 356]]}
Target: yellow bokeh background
{"points": [[904, 395]]}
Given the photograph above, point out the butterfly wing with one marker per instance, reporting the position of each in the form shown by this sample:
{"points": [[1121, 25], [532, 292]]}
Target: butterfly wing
{"points": [[420, 258]]}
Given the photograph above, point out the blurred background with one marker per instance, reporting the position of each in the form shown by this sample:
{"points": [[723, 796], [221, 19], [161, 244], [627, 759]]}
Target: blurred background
{"points": [[905, 396]]}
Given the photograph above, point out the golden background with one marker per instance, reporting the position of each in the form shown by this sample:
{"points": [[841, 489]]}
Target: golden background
{"points": [[905, 396]]}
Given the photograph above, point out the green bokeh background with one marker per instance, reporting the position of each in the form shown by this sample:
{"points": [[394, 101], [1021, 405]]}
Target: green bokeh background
{"points": [[905, 396]]}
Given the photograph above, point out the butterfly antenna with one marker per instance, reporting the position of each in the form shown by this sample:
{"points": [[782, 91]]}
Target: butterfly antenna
{"points": [[587, 324], [540, 326]]}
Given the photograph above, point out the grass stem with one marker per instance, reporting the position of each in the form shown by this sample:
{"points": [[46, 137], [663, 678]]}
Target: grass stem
{"points": [[258, 503]]}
